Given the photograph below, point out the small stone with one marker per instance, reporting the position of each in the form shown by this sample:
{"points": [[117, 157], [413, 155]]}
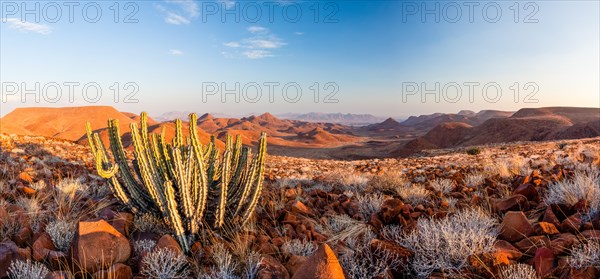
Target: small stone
{"points": [[545, 228], [515, 226]]}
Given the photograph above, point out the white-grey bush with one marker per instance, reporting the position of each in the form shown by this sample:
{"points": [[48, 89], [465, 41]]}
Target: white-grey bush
{"points": [[369, 204], [518, 271], [143, 246], [585, 185], [165, 263], [413, 194], [61, 232], [585, 255], [445, 244], [444, 186], [27, 270], [298, 247]]}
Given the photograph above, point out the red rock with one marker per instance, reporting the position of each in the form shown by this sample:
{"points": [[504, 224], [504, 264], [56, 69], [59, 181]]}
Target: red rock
{"points": [[267, 248], [376, 222], [563, 243], [545, 228], [511, 252], [167, 241], [59, 275], [515, 226], [294, 263], [543, 261], [300, 208], [571, 224], [117, 270], [23, 236], [514, 202], [530, 244], [28, 191], [390, 209], [528, 190], [9, 252], [123, 221], [584, 273], [97, 245], [25, 177], [323, 264], [42, 246], [550, 217], [591, 234], [270, 268]]}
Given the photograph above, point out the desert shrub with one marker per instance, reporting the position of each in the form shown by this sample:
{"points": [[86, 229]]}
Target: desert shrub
{"points": [[252, 263], [445, 244], [224, 264], [9, 227], [165, 264], [392, 233], [443, 186], [35, 212], [27, 270], [585, 255], [474, 179], [361, 261], [353, 179], [143, 246], [72, 187], [148, 223], [387, 181], [61, 232], [336, 224], [585, 185], [473, 151], [518, 271], [298, 247], [369, 204], [413, 194]]}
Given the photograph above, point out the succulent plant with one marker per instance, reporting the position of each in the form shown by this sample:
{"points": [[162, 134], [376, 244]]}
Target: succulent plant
{"points": [[190, 185]]}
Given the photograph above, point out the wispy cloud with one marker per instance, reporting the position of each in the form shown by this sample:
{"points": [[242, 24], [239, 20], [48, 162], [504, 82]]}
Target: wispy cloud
{"points": [[257, 54], [299, 33], [179, 11], [258, 30], [258, 46], [175, 52], [25, 26]]}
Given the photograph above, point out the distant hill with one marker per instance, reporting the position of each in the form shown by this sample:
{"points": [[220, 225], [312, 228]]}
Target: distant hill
{"points": [[528, 124], [63, 123], [341, 118], [289, 137]]}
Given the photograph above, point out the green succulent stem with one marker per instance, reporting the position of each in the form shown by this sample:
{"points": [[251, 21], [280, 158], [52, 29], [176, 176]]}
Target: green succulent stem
{"points": [[183, 180]]}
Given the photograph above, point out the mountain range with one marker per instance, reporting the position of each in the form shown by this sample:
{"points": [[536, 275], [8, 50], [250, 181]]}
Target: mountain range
{"points": [[326, 139]]}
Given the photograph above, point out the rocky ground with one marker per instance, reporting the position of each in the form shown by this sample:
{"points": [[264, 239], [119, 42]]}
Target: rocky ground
{"points": [[521, 210]]}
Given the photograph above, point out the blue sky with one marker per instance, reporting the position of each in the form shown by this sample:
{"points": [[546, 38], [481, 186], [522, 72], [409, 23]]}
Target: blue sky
{"points": [[363, 56]]}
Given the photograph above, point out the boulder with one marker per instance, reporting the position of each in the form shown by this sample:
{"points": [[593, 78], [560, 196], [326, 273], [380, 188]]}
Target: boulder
{"points": [[390, 209], [42, 246], [515, 226], [543, 261], [117, 270], [514, 202], [270, 268], [294, 263], [97, 245], [167, 241], [323, 264], [545, 228]]}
